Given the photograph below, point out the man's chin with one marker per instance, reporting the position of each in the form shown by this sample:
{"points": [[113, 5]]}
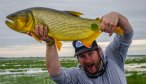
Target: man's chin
{"points": [[91, 71]]}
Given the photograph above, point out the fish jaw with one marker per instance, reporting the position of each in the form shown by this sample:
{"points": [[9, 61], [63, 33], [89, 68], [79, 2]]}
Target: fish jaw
{"points": [[10, 24]]}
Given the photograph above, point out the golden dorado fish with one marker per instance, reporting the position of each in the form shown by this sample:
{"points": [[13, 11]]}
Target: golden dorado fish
{"points": [[62, 25]]}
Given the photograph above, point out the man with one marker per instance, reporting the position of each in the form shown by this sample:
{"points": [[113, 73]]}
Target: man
{"points": [[95, 66]]}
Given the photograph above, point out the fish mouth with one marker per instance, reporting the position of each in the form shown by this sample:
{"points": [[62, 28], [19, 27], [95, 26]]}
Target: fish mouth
{"points": [[10, 22]]}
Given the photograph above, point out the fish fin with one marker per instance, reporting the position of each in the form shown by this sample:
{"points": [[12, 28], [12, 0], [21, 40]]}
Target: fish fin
{"points": [[88, 41], [74, 13], [58, 44], [34, 36], [119, 30]]}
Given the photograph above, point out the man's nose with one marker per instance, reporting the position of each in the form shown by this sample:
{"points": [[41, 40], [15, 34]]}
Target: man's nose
{"points": [[88, 59]]}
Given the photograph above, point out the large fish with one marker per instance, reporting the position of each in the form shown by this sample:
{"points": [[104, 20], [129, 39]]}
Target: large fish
{"points": [[62, 25]]}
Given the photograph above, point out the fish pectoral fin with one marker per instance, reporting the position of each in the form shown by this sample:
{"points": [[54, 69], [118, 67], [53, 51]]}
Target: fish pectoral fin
{"points": [[74, 13], [88, 41], [58, 44], [34, 36]]}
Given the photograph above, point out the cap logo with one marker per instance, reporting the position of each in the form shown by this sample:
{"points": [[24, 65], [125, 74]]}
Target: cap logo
{"points": [[79, 44]]}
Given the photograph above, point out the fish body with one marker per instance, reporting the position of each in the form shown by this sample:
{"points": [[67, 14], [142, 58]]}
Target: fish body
{"points": [[62, 25]]}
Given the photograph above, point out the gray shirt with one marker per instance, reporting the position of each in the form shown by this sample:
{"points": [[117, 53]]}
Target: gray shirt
{"points": [[114, 57]]}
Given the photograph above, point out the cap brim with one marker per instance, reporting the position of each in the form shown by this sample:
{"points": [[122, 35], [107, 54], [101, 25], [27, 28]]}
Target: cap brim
{"points": [[85, 50]]}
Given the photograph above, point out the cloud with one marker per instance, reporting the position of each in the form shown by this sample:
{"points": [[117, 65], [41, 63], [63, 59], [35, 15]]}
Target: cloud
{"points": [[34, 50], [22, 51]]}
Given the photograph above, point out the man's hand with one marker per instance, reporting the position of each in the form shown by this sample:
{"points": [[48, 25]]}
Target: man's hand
{"points": [[109, 22], [42, 33]]}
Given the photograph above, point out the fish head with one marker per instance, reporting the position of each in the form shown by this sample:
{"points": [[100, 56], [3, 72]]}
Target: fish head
{"points": [[21, 21]]}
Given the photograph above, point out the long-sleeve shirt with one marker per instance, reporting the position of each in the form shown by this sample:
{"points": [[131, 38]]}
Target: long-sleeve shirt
{"points": [[114, 57]]}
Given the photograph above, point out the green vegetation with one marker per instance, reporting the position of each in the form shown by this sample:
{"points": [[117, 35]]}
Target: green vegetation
{"points": [[68, 63], [138, 59], [18, 66], [26, 79], [137, 78], [16, 63], [22, 64]]}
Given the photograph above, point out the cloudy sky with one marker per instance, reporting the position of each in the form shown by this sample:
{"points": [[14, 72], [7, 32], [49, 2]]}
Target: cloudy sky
{"points": [[13, 44]]}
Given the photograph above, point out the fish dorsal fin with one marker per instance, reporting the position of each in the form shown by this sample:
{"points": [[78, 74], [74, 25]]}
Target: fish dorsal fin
{"points": [[58, 44], [88, 41], [34, 36], [74, 13]]}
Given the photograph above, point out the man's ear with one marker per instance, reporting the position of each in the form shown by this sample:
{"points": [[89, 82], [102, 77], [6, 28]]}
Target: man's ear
{"points": [[77, 58]]}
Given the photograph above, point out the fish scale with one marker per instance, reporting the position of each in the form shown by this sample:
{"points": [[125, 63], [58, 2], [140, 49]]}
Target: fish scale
{"points": [[62, 30]]}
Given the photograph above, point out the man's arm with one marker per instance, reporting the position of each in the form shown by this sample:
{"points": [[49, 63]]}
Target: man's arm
{"points": [[52, 59], [58, 74], [118, 48], [113, 19]]}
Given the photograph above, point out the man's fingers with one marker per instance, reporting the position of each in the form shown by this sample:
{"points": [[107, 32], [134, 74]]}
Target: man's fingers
{"points": [[107, 26], [41, 31], [103, 26], [45, 31], [110, 29], [36, 30]]}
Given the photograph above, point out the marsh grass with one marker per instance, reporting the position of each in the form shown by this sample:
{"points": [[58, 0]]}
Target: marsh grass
{"points": [[137, 78], [22, 64], [26, 79], [137, 59], [16, 63]]}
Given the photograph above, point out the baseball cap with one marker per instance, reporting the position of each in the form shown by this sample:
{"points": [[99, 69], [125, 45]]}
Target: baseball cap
{"points": [[80, 48]]}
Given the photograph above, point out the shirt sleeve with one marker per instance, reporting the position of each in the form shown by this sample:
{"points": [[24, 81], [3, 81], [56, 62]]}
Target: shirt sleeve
{"points": [[67, 76], [118, 48]]}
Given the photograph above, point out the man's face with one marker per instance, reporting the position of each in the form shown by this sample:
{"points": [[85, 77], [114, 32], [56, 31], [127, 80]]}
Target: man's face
{"points": [[90, 61]]}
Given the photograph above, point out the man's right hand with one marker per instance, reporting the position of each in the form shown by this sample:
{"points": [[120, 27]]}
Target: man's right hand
{"points": [[42, 33]]}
